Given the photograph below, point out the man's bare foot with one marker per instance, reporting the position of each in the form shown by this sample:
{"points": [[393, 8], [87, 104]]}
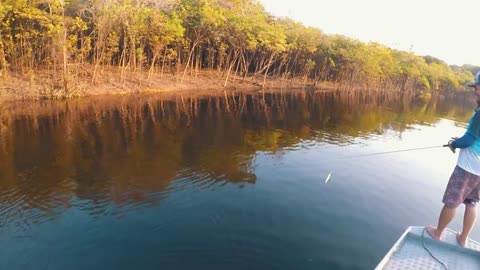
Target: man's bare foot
{"points": [[433, 233], [460, 240]]}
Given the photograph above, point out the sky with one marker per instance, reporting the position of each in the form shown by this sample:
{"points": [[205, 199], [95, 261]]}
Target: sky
{"points": [[446, 29]]}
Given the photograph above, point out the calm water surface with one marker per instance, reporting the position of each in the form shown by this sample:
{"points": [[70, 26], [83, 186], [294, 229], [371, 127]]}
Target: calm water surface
{"points": [[234, 181]]}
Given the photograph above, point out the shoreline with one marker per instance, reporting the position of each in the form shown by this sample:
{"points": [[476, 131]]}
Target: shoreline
{"points": [[41, 85]]}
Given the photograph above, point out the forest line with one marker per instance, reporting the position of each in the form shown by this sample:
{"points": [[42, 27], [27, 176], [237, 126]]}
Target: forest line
{"points": [[67, 46]]}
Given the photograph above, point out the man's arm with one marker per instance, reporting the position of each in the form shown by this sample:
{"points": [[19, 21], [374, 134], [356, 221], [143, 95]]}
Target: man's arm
{"points": [[465, 141], [473, 132]]}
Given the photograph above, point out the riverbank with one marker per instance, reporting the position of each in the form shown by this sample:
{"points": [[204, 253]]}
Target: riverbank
{"points": [[43, 85]]}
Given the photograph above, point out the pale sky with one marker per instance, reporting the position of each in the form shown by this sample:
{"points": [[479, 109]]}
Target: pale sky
{"points": [[446, 29]]}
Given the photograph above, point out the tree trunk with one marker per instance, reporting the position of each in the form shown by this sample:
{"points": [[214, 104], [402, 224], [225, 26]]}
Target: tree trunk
{"points": [[188, 61], [236, 71], [197, 62], [3, 61], [65, 57], [163, 60], [270, 61], [230, 68], [152, 65]]}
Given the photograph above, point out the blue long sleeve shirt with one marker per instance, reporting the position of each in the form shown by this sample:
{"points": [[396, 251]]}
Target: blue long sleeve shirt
{"points": [[465, 141], [472, 133], [469, 144]]}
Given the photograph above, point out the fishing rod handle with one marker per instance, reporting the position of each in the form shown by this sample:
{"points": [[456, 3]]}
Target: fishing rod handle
{"points": [[451, 149]]}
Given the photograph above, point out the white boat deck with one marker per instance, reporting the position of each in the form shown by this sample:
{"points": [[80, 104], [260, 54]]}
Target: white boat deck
{"points": [[409, 253]]}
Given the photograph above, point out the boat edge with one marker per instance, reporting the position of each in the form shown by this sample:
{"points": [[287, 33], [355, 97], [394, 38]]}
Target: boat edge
{"points": [[394, 248]]}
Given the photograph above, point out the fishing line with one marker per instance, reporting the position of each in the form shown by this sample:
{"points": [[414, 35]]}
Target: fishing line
{"points": [[435, 258], [397, 151], [388, 152]]}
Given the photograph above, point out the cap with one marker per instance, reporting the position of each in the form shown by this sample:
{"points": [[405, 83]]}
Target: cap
{"points": [[476, 82]]}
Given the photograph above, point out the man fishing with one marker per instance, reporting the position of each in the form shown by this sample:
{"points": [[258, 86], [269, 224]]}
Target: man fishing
{"points": [[464, 183]]}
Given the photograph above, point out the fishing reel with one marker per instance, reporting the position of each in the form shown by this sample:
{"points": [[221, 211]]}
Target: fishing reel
{"points": [[449, 145]]}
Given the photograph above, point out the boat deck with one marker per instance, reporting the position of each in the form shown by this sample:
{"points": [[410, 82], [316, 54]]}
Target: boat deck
{"points": [[409, 253]]}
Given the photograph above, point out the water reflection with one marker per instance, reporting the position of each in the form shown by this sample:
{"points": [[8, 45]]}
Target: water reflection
{"points": [[128, 151]]}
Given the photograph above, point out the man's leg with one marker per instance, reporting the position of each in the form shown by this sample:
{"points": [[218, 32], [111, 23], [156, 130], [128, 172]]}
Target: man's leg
{"points": [[446, 216], [455, 194], [468, 222]]}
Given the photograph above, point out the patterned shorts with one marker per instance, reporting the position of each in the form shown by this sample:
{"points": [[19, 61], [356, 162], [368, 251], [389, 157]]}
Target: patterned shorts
{"points": [[462, 187]]}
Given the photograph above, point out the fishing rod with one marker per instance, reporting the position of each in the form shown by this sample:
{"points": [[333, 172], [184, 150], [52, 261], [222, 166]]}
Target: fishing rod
{"points": [[396, 151]]}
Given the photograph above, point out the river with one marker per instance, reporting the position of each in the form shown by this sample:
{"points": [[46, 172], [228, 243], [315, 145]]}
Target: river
{"points": [[225, 181]]}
